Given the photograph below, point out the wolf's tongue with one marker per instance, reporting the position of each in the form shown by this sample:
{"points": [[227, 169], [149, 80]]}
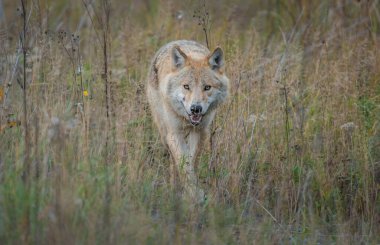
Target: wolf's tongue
{"points": [[195, 118]]}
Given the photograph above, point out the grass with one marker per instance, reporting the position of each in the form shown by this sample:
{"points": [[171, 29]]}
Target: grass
{"points": [[295, 151]]}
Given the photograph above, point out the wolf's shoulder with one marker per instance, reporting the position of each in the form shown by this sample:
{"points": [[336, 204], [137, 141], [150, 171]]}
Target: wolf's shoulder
{"points": [[187, 46], [186, 43]]}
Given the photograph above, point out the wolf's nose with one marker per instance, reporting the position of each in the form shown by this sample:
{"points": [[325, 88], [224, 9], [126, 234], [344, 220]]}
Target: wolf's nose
{"points": [[196, 109]]}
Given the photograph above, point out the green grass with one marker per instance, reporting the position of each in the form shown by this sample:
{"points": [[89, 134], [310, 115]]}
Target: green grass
{"points": [[300, 167]]}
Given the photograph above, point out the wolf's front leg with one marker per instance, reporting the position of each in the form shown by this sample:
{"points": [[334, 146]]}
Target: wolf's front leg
{"points": [[184, 157], [195, 142]]}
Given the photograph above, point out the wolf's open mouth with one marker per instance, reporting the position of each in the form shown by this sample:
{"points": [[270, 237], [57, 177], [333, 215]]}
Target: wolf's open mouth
{"points": [[195, 119]]}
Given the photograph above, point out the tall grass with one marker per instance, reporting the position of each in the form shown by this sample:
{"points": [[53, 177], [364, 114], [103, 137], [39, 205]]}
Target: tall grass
{"points": [[294, 156]]}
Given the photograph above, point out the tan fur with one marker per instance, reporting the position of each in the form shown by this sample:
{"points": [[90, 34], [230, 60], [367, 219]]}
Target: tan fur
{"points": [[175, 65]]}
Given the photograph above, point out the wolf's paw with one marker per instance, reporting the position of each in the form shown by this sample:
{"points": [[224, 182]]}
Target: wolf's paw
{"points": [[200, 197], [196, 195]]}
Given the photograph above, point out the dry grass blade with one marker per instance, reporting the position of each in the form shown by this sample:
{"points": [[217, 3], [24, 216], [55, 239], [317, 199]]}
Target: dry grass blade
{"points": [[295, 160]]}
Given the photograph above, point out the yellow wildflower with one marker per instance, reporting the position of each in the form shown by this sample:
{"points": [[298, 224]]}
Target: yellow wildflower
{"points": [[1, 93]]}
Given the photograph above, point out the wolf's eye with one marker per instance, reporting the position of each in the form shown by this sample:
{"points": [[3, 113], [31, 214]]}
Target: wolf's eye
{"points": [[186, 87], [207, 87]]}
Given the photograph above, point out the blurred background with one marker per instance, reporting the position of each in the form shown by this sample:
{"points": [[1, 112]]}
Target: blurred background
{"points": [[294, 156]]}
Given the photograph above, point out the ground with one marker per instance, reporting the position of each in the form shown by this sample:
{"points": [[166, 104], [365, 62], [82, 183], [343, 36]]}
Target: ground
{"points": [[294, 156]]}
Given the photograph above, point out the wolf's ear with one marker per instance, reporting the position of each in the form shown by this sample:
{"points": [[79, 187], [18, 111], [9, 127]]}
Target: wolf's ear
{"points": [[216, 59], [178, 57]]}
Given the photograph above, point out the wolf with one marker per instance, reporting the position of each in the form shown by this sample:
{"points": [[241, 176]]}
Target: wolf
{"points": [[186, 84]]}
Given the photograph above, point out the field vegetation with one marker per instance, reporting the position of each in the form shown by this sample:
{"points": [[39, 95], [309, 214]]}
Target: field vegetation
{"points": [[294, 156]]}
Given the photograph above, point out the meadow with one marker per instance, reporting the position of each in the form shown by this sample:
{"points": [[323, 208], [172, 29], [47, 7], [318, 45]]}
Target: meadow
{"points": [[294, 156]]}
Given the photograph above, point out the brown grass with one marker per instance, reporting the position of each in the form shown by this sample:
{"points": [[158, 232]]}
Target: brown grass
{"points": [[295, 151]]}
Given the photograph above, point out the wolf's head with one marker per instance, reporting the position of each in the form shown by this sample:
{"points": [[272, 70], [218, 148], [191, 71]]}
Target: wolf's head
{"points": [[196, 86]]}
